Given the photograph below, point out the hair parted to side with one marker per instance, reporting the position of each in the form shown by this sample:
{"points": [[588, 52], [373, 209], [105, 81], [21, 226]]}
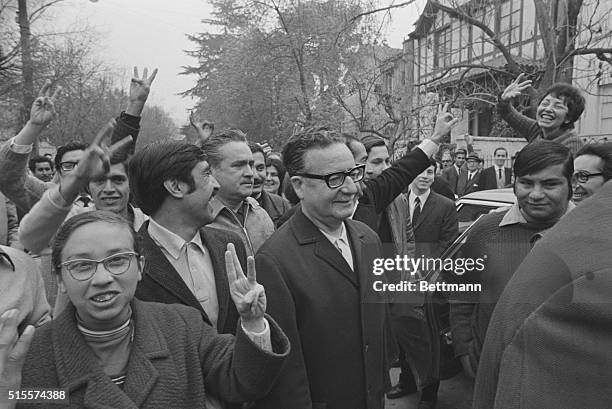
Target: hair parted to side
{"points": [[69, 147], [372, 141], [542, 154], [73, 223], [255, 147], [212, 145], [156, 163], [297, 146], [573, 99], [39, 159], [603, 151], [501, 148]]}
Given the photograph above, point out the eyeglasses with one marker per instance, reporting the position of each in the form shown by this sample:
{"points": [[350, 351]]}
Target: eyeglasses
{"points": [[83, 269], [336, 179], [68, 166], [583, 177]]}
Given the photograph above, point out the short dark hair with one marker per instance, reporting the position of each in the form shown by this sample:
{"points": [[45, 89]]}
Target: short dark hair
{"points": [[69, 147], [543, 154], [372, 141], [212, 145], [155, 163], [38, 159], [297, 146], [460, 150], [573, 99], [603, 151], [501, 148], [434, 163], [255, 147], [73, 223]]}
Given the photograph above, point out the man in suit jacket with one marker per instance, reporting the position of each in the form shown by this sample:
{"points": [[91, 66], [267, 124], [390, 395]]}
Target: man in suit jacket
{"points": [[317, 271], [497, 176], [555, 313], [469, 178], [185, 263], [451, 174]]}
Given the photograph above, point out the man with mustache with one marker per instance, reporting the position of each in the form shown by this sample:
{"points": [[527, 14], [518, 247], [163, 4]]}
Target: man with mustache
{"points": [[274, 204]]}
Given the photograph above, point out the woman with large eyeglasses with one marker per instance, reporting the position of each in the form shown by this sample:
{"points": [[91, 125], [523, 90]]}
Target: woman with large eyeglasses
{"points": [[592, 168], [108, 349]]}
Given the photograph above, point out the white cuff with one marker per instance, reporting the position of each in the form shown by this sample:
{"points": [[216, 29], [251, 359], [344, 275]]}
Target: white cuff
{"points": [[261, 339], [22, 149], [429, 147]]}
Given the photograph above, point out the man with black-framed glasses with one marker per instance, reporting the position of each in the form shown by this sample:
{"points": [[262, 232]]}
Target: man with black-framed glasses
{"points": [[318, 269], [592, 168]]}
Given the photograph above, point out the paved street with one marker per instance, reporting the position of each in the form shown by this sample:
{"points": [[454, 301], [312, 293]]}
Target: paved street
{"points": [[455, 393]]}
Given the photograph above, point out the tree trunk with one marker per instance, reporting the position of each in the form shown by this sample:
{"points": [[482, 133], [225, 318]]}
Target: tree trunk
{"points": [[27, 70]]}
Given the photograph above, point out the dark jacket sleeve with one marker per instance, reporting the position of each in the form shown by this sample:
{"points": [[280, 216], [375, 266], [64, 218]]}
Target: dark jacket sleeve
{"points": [[292, 387], [240, 371], [127, 125], [383, 189], [526, 127]]}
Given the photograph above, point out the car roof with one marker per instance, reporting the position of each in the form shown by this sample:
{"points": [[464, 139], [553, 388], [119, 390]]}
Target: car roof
{"points": [[497, 195]]}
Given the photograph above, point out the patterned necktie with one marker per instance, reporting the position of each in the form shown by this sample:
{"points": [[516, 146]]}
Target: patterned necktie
{"points": [[417, 211]]}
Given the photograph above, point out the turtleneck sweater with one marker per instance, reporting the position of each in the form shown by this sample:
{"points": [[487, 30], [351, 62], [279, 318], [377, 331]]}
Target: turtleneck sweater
{"points": [[503, 248], [111, 347]]}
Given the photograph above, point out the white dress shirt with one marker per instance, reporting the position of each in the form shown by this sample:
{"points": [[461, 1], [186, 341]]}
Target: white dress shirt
{"points": [[412, 198], [339, 239], [192, 262]]}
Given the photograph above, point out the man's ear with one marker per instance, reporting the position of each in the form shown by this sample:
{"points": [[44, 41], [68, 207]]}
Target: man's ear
{"points": [[175, 188], [60, 283], [298, 185]]}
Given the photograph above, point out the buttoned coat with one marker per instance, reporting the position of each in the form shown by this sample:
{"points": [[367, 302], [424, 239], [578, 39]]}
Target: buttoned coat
{"points": [[162, 283], [175, 359], [488, 178], [451, 176], [436, 227], [336, 328], [465, 185]]}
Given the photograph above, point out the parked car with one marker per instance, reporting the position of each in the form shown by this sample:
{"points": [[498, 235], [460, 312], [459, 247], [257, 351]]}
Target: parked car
{"points": [[472, 205]]}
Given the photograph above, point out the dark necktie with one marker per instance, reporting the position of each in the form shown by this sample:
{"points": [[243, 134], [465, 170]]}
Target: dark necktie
{"points": [[417, 211], [499, 175]]}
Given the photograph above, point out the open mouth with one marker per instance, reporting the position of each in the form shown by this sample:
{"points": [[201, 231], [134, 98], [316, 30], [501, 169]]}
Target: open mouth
{"points": [[104, 298], [109, 200]]}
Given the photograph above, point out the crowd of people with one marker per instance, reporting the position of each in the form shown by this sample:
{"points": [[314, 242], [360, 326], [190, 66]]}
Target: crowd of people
{"points": [[221, 274]]}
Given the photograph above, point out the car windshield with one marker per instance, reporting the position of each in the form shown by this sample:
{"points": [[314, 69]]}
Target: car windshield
{"points": [[470, 212]]}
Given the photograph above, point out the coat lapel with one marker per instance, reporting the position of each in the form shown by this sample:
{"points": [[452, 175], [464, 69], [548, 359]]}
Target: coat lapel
{"points": [[149, 348], [158, 268], [78, 368], [428, 207], [216, 250], [307, 233]]}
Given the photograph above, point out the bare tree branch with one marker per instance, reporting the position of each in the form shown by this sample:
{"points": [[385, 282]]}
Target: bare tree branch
{"points": [[387, 8]]}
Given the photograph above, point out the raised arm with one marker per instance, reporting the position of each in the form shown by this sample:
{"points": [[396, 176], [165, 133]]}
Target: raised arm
{"points": [[16, 183], [128, 122], [45, 218], [382, 190], [525, 126]]}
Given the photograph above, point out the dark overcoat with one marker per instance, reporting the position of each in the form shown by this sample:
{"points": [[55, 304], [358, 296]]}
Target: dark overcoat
{"points": [[336, 327]]}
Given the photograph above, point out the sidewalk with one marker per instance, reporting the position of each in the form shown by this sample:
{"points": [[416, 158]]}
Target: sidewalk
{"points": [[455, 393]]}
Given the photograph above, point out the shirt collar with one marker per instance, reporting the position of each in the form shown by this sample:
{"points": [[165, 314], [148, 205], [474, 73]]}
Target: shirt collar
{"points": [[217, 205], [170, 241], [514, 215], [340, 234], [422, 198]]}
